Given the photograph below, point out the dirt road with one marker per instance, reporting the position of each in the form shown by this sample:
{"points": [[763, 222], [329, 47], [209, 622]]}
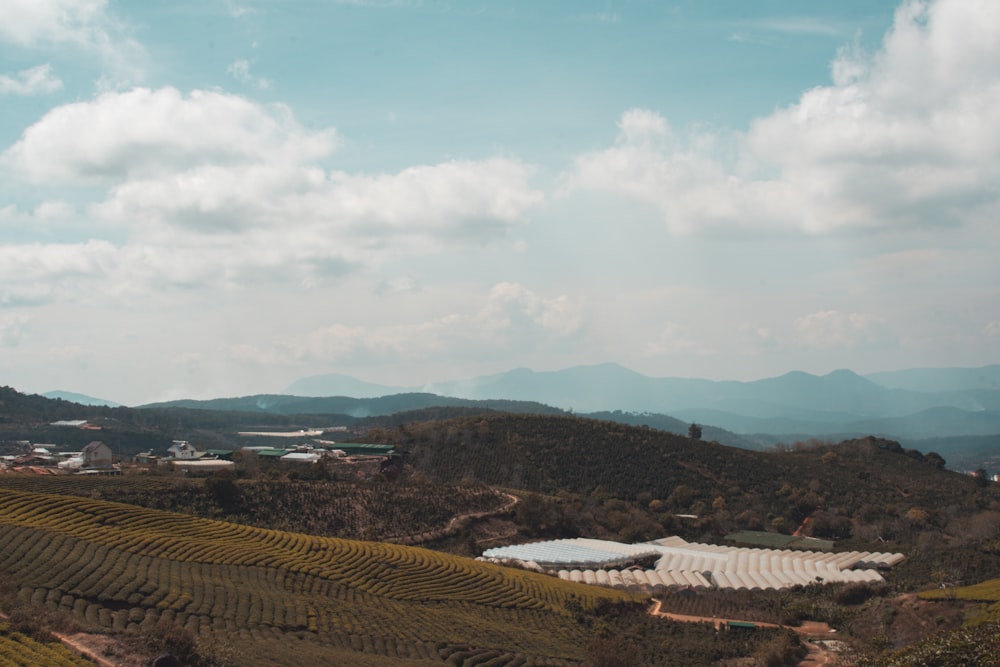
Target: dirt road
{"points": [[810, 633]]}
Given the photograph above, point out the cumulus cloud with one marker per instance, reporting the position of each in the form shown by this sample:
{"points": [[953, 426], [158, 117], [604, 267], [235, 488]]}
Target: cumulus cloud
{"points": [[511, 319], [33, 81], [143, 132], [37, 273], [240, 70], [86, 24], [12, 329], [905, 136], [211, 187], [673, 339], [829, 329], [513, 309]]}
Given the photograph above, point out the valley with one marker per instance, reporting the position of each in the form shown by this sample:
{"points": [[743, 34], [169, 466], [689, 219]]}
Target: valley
{"points": [[274, 563]]}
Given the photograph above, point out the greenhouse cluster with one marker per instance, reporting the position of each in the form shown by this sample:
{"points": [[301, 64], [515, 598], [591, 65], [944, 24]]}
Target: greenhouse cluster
{"points": [[682, 564]]}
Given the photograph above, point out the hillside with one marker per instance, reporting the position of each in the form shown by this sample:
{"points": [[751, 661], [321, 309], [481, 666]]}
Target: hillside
{"points": [[353, 407], [553, 453], [572, 475], [862, 490], [843, 403], [271, 597]]}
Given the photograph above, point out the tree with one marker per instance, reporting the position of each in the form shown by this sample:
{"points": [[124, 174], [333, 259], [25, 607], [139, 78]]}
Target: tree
{"points": [[694, 431]]}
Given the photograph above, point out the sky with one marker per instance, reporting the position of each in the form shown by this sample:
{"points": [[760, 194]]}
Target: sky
{"points": [[219, 197]]}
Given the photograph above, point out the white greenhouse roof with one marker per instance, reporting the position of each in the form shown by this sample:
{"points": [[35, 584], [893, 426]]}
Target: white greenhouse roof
{"points": [[687, 564], [580, 552]]}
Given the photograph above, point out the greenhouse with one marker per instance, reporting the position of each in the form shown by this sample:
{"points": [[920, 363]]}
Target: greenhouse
{"points": [[578, 552], [682, 564]]}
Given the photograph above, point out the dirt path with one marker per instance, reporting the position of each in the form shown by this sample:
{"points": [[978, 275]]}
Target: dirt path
{"points": [[82, 643], [809, 632], [85, 644], [455, 523]]}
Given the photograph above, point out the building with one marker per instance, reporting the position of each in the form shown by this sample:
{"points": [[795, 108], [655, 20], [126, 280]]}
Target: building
{"points": [[97, 455], [182, 450]]}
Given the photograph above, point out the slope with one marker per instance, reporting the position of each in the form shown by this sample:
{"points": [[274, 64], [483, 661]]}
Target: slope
{"points": [[119, 566]]}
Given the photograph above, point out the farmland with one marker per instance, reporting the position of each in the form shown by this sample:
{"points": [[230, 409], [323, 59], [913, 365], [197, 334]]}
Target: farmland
{"points": [[269, 564], [126, 569]]}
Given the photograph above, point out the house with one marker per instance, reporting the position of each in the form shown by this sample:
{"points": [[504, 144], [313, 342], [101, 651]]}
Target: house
{"points": [[97, 455], [146, 458], [182, 449]]}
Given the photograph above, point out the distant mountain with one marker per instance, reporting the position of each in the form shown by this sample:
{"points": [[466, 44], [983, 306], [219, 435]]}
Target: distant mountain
{"points": [[940, 379], [930, 423], [352, 407], [337, 384], [918, 403], [81, 399]]}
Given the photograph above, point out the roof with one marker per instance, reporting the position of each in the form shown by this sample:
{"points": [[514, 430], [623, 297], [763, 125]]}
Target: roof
{"points": [[594, 553], [201, 464], [94, 446], [302, 457], [273, 453], [70, 422], [364, 448], [221, 453], [684, 564], [777, 540]]}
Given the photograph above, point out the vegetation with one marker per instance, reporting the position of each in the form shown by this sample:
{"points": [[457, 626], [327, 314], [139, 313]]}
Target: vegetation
{"points": [[125, 568], [17, 648], [404, 512], [957, 648], [268, 565]]}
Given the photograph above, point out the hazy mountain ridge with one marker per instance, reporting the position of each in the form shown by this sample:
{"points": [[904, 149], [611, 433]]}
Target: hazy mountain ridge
{"points": [[81, 399], [795, 405], [838, 403]]}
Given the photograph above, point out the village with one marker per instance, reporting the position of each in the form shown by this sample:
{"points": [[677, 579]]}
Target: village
{"points": [[98, 458]]}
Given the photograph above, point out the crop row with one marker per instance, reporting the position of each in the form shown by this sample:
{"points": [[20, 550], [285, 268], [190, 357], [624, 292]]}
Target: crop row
{"points": [[381, 569], [122, 567], [17, 650], [342, 509]]}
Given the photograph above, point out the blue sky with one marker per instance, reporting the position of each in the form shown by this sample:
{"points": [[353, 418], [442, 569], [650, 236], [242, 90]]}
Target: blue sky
{"points": [[217, 198]]}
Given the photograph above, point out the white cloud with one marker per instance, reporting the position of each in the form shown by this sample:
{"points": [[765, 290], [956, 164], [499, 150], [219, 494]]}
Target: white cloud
{"points": [[28, 22], [509, 320], [904, 137], [512, 309], [213, 188], [240, 70], [800, 25], [33, 81], [85, 24], [12, 329], [673, 340], [145, 132], [828, 329]]}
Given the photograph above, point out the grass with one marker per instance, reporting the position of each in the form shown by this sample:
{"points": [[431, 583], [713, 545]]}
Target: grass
{"points": [[126, 568]]}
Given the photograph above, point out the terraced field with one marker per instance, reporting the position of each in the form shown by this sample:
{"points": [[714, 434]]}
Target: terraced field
{"points": [[122, 567], [17, 649]]}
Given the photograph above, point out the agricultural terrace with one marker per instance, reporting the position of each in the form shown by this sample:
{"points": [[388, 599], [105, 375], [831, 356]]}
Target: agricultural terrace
{"points": [[122, 567], [19, 649], [688, 564], [399, 512]]}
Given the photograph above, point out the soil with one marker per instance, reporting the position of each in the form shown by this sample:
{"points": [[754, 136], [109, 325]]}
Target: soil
{"points": [[906, 619]]}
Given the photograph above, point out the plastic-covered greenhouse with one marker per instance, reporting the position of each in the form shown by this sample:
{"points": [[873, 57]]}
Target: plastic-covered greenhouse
{"points": [[682, 564]]}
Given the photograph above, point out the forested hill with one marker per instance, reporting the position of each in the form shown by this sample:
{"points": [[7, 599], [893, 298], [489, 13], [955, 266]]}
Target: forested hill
{"points": [[550, 454], [355, 407]]}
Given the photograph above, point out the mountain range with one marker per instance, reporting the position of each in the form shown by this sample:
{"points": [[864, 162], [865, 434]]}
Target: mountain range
{"points": [[914, 403], [907, 405]]}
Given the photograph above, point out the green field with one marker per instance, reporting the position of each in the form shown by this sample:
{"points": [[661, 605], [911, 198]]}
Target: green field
{"points": [[18, 649], [125, 568]]}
